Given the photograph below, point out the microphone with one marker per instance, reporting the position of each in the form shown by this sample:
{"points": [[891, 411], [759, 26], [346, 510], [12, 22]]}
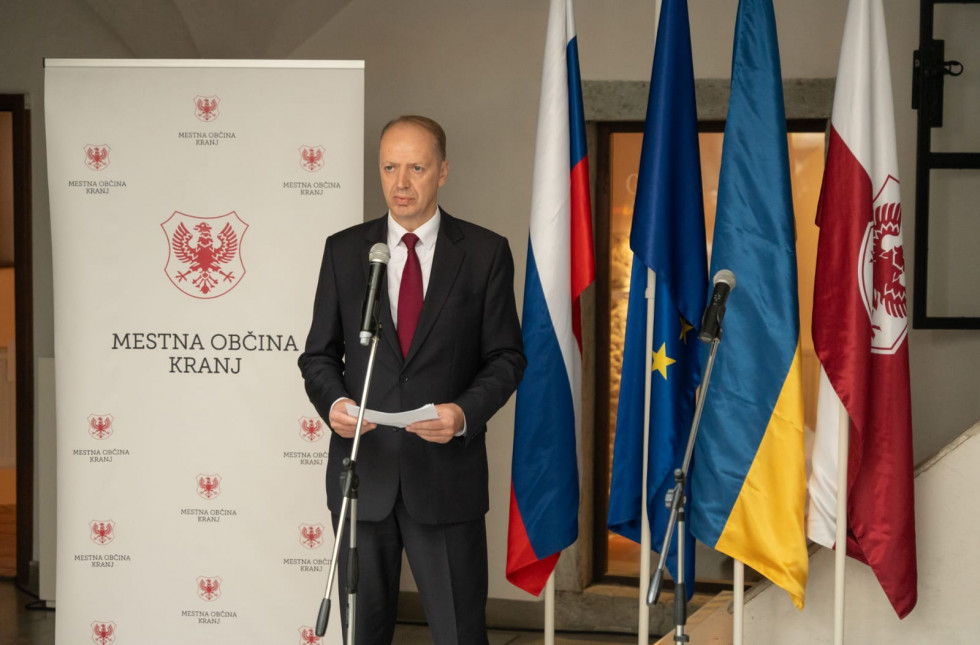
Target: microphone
{"points": [[724, 282], [378, 257]]}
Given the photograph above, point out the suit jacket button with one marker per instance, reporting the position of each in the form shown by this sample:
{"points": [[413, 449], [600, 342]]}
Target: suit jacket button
{"points": [[403, 379]]}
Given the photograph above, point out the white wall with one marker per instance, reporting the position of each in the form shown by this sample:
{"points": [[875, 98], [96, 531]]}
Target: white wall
{"points": [[475, 66], [947, 517]]}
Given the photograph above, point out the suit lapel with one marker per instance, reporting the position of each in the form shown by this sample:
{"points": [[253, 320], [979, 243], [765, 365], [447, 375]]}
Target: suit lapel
{"points": [[445, 267]]}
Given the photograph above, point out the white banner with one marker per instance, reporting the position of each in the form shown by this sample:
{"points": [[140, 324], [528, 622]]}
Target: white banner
{"points": [[189, 205]]}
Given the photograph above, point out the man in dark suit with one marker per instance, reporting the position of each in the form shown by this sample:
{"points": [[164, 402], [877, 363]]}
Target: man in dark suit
{"points": [[450, 336]]}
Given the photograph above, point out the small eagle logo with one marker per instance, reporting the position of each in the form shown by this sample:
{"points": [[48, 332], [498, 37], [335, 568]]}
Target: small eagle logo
{"points": [[97, 156], [103, 531], [209, 588], [311, 536], [100, 426], [206, 108], [310, 429], [103, 633], [208, 486], [311, 158]]}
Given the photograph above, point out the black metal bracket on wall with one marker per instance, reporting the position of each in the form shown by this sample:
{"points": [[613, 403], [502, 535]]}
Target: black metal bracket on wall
{"points": [[929, 71]]}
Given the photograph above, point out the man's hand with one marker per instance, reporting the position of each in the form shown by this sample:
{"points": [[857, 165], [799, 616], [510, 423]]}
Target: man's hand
{"points": [[344, 424], [443, 429]]}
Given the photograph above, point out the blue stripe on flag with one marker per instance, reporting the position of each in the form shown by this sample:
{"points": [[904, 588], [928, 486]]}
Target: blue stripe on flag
{"points": [[576, 111], [749, 484], [755, 237], [545, 401]]}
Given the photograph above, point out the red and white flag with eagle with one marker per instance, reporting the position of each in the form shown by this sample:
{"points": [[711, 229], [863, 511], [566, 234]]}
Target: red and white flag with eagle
{"points": [[860, 322]]}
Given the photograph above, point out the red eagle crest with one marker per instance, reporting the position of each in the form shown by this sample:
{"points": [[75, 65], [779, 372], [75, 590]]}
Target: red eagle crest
{"points": [[97, 156], [209, 588], [889, 260], [100, 426], [103, 633], [206, 108], [208, 486], [202, 264], [311, 158], [103, 532], [310, 535], [307, 636], [311, 429], [881, 271]]}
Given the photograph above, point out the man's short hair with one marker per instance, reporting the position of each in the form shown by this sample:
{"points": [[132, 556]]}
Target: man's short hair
{"points": [[424, 122]]}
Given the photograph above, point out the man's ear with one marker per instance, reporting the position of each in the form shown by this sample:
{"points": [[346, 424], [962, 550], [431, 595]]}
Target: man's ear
{"points": [[443, 171]]}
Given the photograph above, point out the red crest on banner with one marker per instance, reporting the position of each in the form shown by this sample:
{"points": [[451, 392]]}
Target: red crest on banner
{"points": [[307, 636], [103, 633], [311, 428], [103, 531], [97, 156], [881, 271], [206, 108], [202, 263], [311, 158], [208, 486], [100, 426], [311, 535], [209, 588]]}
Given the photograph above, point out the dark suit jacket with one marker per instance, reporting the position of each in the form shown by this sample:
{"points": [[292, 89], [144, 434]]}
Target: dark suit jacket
{"points": [[467, 350]]}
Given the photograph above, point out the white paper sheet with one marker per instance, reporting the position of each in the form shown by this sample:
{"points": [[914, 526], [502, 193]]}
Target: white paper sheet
{"points": [[396, 419]]}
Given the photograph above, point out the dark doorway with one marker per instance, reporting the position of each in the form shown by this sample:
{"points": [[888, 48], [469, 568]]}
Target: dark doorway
{"points": [[616, 559], [15, 265]]}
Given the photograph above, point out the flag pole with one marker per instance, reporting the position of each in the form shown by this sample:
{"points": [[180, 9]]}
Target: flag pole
{"points": [[643, 620], [549, 610], [738, 613], [840, 557]]}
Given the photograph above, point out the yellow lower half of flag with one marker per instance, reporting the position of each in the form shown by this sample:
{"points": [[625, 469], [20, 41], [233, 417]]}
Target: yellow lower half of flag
{"points": [[766, 529]]}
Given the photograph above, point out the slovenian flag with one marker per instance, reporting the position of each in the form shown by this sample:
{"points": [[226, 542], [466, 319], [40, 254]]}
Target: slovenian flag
{"points": [[860, 321], [667, 236], [545, 467], [749, 483]]}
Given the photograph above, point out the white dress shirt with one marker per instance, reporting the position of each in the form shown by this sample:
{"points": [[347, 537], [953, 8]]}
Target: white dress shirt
{"points": [[425, 248]]}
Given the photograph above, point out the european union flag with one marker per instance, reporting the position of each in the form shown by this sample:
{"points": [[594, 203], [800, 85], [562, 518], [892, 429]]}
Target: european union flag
{"points": [[667, 237]]}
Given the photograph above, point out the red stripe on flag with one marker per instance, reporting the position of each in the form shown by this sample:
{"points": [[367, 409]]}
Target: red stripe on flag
{"points": [[583, 260], [524, 570]]}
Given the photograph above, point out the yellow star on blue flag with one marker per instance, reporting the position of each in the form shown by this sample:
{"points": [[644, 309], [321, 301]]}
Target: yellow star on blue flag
{"points": [[661, 361]]}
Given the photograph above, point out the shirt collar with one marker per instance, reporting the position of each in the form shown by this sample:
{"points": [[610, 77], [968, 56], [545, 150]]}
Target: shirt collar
{"points": [[427, 233]]}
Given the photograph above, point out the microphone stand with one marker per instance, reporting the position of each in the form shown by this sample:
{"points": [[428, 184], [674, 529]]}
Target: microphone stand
{"points": [[348, 484], [675, 500]]}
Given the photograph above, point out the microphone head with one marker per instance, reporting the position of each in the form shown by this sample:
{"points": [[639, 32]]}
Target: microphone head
{"points": [[379, 253], [726, 277]]}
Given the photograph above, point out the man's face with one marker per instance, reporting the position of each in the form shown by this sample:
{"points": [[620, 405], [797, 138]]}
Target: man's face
{"points": [[411, 173]]}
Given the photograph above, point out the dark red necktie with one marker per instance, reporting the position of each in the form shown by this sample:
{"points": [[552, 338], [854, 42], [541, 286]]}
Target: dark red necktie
{"points": [[409, 294]]}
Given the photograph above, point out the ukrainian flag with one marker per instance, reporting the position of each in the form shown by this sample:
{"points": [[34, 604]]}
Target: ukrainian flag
{"points": [[749, 486]]}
